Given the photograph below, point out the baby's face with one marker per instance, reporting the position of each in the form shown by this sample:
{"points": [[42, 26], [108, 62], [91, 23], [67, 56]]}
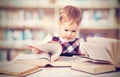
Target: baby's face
{"points": [[68, 31]]}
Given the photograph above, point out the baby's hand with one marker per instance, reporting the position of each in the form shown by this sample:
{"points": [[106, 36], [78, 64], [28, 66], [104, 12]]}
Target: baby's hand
{"points": [[34, 50]]}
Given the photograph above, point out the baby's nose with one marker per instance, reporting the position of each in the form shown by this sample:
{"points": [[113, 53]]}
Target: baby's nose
{"points": [[69, 33]]}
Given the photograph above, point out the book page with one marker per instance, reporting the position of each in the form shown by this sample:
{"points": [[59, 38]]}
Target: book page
{"points": [[96, 52], [105, 43], [33, 59], [23, 56], [113, 48], [55, 50], [68, 61], [52, 48]]}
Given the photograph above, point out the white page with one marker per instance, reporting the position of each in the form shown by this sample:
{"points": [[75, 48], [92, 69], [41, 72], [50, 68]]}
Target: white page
{"points": [[53, 48], [96, 52], [32, 56]]}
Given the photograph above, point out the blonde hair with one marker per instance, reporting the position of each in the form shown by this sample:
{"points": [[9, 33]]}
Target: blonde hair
{"points": [[70, 13]]}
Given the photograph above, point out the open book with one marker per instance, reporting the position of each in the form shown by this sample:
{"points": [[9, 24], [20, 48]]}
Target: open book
{"points": [[43, 60], [102, 54], [51, 50], [17, 69], [96, 52], [49, 53], [112, 47]]}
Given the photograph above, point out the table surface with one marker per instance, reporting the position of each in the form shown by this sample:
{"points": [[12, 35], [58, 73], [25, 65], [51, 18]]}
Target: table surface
{"points": [[68, 72], [65, 72]]}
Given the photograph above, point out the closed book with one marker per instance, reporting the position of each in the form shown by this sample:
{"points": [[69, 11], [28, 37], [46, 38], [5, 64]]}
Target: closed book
{"points": [[93, 68], [17, 69]]}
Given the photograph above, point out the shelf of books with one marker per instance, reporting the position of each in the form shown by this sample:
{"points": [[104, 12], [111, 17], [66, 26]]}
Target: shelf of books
{"points": [[102, 20], [23, 21], [107, 33], [100, 17]]}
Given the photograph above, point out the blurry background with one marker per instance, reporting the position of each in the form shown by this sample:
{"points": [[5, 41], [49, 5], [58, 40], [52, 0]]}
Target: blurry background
{"points": [[28, 21]]}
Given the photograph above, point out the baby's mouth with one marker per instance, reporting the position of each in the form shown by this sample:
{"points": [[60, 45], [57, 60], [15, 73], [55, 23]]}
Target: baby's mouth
{"points": [[68, 38]]}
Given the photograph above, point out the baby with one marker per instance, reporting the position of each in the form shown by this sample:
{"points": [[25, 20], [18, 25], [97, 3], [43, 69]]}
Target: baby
{"points": [[69, 20]]}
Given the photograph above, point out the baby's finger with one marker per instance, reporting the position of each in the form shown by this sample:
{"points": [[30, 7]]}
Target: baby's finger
{"points": [[34, 50], [32, 47]]}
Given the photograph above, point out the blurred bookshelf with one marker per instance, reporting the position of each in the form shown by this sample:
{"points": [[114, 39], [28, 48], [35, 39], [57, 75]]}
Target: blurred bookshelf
{"points": [[28, 21]]}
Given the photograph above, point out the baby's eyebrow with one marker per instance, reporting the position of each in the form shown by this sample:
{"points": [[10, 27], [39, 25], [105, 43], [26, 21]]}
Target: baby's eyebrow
{"points": [[74, 30], [66, 29]]}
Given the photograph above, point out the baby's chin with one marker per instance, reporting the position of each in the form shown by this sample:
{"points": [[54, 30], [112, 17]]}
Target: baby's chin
{"points": [[68, 39]]}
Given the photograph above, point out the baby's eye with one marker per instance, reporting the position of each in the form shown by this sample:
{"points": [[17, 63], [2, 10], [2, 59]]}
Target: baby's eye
{"points": [[66, 30], [73, 31]]}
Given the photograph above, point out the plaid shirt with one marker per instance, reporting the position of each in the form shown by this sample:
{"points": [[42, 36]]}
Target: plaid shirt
{"points": [[68, 48]]}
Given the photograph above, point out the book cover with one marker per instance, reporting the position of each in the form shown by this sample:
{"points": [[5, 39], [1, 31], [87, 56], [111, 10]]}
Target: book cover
{"points": [[17, 69]]}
